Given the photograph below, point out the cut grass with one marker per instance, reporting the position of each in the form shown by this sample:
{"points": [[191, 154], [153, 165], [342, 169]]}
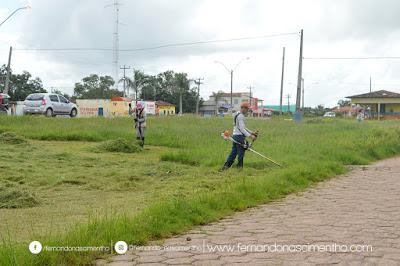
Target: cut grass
{"points": [[117, 145], [13, 197], [11, 138], [153, 199]]}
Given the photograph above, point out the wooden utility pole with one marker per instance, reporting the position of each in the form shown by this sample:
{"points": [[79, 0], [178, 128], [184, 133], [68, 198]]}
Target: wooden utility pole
{"points": [[282, 76], [198, 83], [302, 94], [251, 95], [7, 85], [288, 102], [232, 89], [124, 68], [300, 74]]}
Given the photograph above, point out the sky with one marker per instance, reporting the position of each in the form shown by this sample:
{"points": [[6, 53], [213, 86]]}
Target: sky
{"points": [[332, 28]]}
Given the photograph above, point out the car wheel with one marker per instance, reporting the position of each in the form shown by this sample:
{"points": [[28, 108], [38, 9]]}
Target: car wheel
{"points": [[49, 112], [73, 113]]}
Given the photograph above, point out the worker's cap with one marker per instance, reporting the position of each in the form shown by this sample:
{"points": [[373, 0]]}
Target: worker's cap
{"points": [[245, 105]]}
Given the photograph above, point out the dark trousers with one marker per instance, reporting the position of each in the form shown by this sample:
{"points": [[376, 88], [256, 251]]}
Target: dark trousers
{"points": [[237, 150]]}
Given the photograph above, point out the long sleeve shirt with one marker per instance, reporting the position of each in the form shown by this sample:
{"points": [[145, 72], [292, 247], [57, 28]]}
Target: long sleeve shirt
{"points": [[239, 127], [140, 118]]}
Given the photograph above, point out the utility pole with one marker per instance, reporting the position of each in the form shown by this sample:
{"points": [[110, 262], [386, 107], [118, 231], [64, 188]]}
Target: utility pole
{"points": [[282, 76], [370, 84], [302, 94], [124, 79], [232, 89], [251, 95], [7, 85], [115, 61], [198, 83], [180, 102], [288, 102], [300, 74]]}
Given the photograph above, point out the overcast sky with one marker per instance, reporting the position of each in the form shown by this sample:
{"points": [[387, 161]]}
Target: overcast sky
{"points": [[332, 28]]}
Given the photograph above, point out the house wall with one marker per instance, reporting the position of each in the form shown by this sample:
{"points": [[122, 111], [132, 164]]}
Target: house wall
{"points": [[166, 110], [374, 100], [90, 108], [392, 110], [237, 101]]}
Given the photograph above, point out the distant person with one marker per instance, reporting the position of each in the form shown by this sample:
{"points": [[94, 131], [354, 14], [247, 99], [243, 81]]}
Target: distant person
{"points": [[130, 111], [360, 116], [140, 122], [240, 132]]}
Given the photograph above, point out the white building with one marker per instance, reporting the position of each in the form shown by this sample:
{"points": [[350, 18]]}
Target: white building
{"points": [[237, 99]]}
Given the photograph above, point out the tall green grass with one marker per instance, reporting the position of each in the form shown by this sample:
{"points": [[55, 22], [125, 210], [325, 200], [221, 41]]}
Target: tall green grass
{"points": [[310, 152]]}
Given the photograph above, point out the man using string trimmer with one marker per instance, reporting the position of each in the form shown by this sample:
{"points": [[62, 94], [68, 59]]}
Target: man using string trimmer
{"points": [[240, 132], [140, 122]]}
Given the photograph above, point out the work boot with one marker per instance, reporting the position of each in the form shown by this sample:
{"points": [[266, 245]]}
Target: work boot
{"points": [[240, 165], [142, 143], [224, 168]]}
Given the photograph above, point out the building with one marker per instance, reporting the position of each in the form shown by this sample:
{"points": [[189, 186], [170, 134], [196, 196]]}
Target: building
{"points": [[116, 107], [164, 108], [285, 108], [208, 108], [379, 104], [237, 99], [347, 111]]}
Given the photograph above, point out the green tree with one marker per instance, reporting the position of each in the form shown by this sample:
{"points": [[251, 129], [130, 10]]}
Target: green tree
{"points": [[57, 91], [217, 96], [168, 86], [343, 103], [21, 85], [96, 87], [138, 83]]}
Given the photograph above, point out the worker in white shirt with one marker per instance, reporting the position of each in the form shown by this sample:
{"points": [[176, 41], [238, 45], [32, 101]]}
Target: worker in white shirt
{"points": [[240, 133], [140, 122]]}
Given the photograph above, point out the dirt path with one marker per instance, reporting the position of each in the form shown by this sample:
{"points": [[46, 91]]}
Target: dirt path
{"points": [[360, 208]]}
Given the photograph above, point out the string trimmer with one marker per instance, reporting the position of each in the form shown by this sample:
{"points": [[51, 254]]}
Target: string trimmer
{"points": [[226, 135]]}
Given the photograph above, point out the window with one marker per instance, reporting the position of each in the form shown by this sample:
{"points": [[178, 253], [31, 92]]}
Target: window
{"points": [[62, 99], [236, 101], [54, 98], [35, 97]]}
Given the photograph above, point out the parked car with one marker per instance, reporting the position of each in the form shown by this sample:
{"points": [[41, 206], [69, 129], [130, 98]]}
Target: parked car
{"points": [[49, 104], [330, 114]]}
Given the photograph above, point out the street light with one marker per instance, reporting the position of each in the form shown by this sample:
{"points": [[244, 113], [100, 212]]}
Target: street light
{"points": [[231, 73], [15, 11]]}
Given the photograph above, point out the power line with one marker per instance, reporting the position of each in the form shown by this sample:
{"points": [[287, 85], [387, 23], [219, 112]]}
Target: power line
{"points": [[352, 58], [161, 46]]}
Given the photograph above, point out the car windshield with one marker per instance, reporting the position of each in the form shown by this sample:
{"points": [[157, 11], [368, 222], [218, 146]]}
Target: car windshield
{"points": [[35, 97]]}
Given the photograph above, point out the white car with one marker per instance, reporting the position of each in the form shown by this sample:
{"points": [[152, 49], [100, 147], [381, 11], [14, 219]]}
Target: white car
{"points": [[330, 114], [49, 104]]}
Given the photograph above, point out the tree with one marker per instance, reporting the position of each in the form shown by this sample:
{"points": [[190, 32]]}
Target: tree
{"points": [[169, 87], [217, 96], [21, 85], [343, 103], [96, 87], [138, 83], [57, 91]]}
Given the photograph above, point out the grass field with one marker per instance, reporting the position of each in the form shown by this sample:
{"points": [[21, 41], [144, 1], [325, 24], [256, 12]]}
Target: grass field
{"points": [[58, 187]]}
